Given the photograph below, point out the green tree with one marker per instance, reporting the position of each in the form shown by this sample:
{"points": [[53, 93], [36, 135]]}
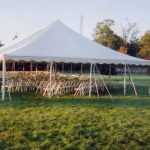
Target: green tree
{"points": [[133, 47], [145, 46], [129, 35], [104, 35]]}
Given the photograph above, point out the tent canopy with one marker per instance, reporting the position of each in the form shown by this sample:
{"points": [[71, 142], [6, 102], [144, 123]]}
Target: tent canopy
{"points": [[59, 43]]}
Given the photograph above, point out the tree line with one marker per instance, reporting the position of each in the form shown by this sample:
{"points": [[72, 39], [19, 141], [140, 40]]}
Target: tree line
{"points": [[128, 43]]}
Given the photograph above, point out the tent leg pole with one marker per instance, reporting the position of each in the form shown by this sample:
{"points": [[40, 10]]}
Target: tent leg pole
{"points": [[95, 81], [48, 67], [3, 79], [13, 66], [109, 74], [71, 68], [109, 71], [23, 68], [50, 81], [36, 69], [63, 68], [104, 83], [132, 81], [90, 87], [31, 67], [125, 73], [81, 68], [55, 67]]}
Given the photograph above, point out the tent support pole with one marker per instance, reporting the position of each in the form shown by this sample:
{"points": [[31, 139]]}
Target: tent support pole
{"points": [[104, 83], [55, 67], [90, 87], [81, 68], [31, 66], [125, 73], [109, 71], [95, 81], [48, 66], [63, 68], [71, 68], [50, 80], [13, 66], [23, 67], [109, 74], [36, 68], [3, 79], [129, 83], [132, 81]]}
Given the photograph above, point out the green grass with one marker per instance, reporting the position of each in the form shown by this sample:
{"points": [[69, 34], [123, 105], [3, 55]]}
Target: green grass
{"points": [[35, 122], [31, 121]]}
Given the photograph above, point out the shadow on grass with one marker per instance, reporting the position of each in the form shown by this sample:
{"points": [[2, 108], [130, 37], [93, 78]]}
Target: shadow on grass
{"points": [[36, 100]]}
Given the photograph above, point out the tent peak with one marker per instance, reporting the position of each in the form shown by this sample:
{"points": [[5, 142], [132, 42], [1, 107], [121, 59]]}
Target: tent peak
{"points": [[56, 22]]}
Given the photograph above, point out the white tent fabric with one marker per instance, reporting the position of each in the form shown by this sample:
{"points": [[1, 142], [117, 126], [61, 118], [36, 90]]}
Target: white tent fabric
{"points": [[59, 43]]}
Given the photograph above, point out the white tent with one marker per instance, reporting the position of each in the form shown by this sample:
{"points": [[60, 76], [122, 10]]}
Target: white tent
{"points": [[59, 43]]}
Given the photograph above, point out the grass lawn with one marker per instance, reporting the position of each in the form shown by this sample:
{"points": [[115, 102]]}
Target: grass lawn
{"points": [[31, 121]]}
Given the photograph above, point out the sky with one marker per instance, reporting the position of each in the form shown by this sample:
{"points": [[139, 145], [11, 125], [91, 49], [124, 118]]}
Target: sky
{"points": [[23, 17]]}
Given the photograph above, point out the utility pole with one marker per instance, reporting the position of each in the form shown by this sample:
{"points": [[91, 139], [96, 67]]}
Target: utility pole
{"points": [[81, 24]]}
